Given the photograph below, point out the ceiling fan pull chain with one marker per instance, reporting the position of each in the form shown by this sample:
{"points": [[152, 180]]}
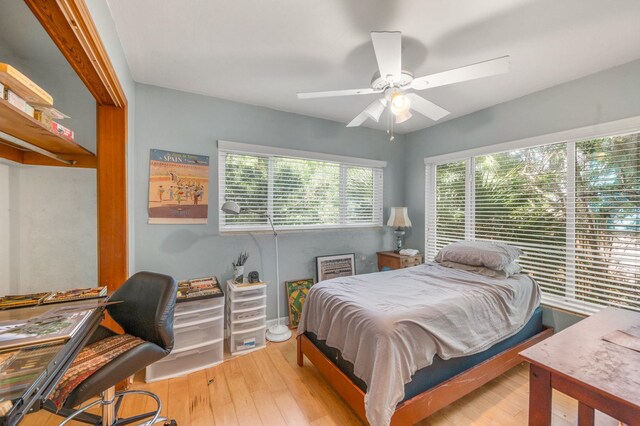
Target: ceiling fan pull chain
{"points": [[390, 125]]}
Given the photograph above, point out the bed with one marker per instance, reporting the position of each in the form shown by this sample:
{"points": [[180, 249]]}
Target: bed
{"points": [[402, 344]]}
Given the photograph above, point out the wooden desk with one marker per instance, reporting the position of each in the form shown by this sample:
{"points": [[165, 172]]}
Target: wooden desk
{"points": [[599, 374], [395, 260]]}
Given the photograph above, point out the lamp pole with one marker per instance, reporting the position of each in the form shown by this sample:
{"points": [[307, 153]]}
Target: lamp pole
{"points": [[279, 332]]}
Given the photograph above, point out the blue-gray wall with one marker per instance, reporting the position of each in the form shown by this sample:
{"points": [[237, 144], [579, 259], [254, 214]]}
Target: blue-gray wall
{"points": [[184, 122]]}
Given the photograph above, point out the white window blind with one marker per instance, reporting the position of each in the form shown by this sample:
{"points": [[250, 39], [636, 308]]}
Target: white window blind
{"points": [[298, 192], [573, 207]]}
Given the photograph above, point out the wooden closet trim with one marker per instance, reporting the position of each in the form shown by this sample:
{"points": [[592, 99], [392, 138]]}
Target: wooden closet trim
{"points": [[70, 26]]}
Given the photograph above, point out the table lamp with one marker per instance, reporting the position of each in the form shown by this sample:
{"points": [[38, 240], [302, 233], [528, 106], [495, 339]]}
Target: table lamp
{"points": [[278, 332], [399, 219]]}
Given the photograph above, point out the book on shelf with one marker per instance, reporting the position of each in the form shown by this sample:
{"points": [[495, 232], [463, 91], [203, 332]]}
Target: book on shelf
{"points": [[199, 287], [17, 101], [21, 300], [62, 131], [55, 325], [23, 86], [46, 115], [76, 294]]}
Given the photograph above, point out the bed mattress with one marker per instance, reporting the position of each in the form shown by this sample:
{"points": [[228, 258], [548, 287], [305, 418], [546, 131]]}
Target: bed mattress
{"points": [[440, 370]]}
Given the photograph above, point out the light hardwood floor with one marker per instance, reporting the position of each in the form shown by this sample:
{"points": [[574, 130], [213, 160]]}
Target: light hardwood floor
{"points": [[267, 387]]}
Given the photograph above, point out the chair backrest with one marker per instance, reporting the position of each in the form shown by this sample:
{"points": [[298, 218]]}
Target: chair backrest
{"points": [[148, 302]]}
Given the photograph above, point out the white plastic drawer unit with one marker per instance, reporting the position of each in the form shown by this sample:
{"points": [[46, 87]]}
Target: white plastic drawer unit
{"points": [[198, 329], [248, 340], [248, 303], [179, 363], [249, 314], [248, 293], [189, 306], [207, 331], [244, 325]]}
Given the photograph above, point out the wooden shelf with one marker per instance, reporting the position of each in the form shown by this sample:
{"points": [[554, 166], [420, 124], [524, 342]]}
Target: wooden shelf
{"points": [[20, 125]]}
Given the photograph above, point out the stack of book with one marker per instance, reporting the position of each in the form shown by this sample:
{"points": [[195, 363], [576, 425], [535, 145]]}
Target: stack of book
{"points": [[76, 294], [199, 287], [17, 89], [22, 300]]}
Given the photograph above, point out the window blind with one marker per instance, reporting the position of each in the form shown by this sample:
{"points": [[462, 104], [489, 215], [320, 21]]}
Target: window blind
{"points": [[607, 221], [573, 207], [450, 203], [298, 193]]}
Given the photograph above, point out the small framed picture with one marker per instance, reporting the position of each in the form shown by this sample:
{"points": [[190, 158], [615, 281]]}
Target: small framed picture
{"points": [[334, 266], [296, 294]]}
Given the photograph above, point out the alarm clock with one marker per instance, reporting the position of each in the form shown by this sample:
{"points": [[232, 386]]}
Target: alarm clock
{"points": [[254, 277]]}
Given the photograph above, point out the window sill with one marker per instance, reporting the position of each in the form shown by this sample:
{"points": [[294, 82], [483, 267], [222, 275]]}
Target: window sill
{"points": [[284, 230]]}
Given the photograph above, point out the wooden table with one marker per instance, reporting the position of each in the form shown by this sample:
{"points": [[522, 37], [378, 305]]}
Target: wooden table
{"points": [[599, 374], [393, 260]]}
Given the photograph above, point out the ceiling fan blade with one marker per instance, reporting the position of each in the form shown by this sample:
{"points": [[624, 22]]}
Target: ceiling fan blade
{"points": [[331, 93], [388, 48], [426, 108], [372, 111], [457, 75], [360, 118]]}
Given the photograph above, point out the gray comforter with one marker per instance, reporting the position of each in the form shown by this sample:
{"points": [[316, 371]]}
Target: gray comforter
{"points": [[391, 324]]}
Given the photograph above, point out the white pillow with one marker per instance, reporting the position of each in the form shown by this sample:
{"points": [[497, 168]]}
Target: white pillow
{"points": [[511, 269], [496, 256]]}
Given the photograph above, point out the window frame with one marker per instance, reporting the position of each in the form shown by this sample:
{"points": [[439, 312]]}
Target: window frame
{"points": [[271, 152], [570, 137]]}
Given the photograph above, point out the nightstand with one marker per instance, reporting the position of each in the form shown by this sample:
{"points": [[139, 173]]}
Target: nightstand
{"points": [[394, 260]]}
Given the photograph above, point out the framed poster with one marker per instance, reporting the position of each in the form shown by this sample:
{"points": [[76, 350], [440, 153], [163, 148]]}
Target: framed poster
{"points": [[178, 187], [337, 265], [296, 294]]}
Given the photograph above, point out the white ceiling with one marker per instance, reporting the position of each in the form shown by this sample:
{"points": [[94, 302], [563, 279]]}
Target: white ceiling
{"points": [[262, 52]]}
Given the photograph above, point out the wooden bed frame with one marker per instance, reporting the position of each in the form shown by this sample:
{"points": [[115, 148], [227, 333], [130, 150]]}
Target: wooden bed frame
{"points": [[428, 402]]}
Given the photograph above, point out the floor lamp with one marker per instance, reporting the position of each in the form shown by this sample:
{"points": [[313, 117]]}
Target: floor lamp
{"points": [[278, 332]]}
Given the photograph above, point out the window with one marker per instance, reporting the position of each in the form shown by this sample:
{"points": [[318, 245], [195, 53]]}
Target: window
{"points": [[573, 207], [299, 190]]}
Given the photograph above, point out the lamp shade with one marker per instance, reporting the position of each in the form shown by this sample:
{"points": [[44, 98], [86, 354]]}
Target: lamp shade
{"points": [[230, 207], [399, 218]]}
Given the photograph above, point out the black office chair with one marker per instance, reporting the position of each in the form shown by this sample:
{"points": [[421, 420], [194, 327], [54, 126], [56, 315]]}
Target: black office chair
{"points": [[148, 302]]}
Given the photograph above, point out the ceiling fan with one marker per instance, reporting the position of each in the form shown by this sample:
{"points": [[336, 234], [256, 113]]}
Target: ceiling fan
{"points": [[393, 82]]}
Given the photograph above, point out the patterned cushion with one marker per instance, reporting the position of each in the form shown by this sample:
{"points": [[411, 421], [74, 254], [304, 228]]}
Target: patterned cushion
{"points": [[92, 358]]}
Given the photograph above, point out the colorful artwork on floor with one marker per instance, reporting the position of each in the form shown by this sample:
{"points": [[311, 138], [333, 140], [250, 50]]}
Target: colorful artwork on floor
{"points": [[178, 187], [296, 294]]}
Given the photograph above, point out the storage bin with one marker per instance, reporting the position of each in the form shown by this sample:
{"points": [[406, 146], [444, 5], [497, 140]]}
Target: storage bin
{"points": [[208, 331], [248, 293], [187, 318], [248, 340], [189, 306], [246, 304], [244, 325], [176, 364], [247, 315]]}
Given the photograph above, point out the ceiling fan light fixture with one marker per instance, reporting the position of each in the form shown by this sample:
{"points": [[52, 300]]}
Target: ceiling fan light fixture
{"points": [[400, 104], [403, 116]]}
